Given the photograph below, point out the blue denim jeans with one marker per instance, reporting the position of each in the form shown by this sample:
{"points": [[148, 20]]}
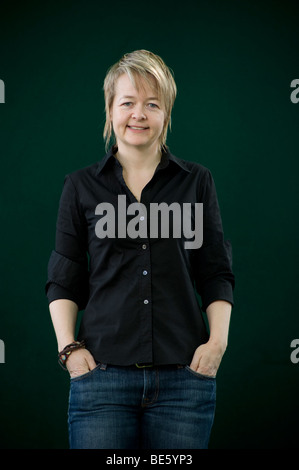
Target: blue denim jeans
{"points": [[164, 407]]}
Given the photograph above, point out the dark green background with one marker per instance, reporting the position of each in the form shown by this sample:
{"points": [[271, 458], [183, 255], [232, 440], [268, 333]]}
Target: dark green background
{"points": [[233, 63]]}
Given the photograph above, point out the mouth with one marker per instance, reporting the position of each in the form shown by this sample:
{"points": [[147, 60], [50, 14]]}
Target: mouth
{"points": [[138, 128]]}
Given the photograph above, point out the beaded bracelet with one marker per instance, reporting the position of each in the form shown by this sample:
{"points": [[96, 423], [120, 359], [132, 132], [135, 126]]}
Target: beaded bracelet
{"points": [[64, 354]]}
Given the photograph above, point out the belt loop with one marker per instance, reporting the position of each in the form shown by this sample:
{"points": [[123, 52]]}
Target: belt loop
{"points": [[103, 366]]}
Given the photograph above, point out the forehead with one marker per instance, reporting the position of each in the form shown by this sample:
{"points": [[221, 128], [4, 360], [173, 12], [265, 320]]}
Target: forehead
{"points": [[142, 87]]}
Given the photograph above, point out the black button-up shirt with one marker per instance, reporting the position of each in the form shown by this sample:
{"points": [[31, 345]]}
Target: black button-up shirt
{"points": [[138, 292]]}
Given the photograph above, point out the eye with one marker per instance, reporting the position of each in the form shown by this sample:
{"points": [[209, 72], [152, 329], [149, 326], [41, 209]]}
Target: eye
{"points": [[127, 104], [152, 105]]}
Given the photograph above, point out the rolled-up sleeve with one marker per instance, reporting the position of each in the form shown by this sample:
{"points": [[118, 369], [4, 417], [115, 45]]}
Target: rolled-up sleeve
{"points": [[68, 264], [66, 279], [214, 278]]}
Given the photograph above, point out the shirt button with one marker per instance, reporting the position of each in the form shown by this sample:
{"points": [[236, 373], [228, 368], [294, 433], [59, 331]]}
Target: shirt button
{"points": [[144, 246], [145, 301], [142, 218], [144, 273]]}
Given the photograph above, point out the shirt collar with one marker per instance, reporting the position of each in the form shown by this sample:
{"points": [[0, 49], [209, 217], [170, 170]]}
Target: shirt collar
{"points": [[165, 159]]}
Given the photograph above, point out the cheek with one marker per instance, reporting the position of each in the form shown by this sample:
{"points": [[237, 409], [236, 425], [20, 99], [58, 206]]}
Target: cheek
{"points": [[121, 117], [117, 120], [161, 123], [162, 118]]}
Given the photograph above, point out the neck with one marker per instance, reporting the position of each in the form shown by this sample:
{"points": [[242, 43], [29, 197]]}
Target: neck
{"points": [[138, 159]]}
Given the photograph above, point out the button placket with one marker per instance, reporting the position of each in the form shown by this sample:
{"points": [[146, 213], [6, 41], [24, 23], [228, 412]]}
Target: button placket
{"points": [[145, 299]]}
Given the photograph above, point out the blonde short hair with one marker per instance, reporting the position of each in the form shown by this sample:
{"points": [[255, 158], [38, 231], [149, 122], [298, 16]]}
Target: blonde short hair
{"points": [[145, 65]]}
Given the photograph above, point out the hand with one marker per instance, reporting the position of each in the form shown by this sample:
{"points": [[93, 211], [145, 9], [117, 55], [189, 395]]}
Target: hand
{"points": [[80, 362], [207, 358]]}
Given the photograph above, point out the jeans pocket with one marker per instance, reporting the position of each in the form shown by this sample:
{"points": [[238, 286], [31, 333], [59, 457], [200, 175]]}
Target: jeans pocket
{"points": [[86, 375], [200, 376]]}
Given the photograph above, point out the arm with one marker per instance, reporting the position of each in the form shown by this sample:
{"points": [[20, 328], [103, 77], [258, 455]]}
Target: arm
{"points": [[67, 282], [214, 280], [64, 317], [207, 357]]}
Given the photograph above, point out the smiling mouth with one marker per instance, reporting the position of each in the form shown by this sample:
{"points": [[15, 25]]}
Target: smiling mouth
{"points": [[136, 128]]}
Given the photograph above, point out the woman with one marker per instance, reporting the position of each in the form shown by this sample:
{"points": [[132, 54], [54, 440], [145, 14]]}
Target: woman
{"points": [[143, 367]]}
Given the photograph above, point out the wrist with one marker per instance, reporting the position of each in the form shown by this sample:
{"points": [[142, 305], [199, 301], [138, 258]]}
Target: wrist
{"points": [[64, 354], [63, 342], [218, 343]]}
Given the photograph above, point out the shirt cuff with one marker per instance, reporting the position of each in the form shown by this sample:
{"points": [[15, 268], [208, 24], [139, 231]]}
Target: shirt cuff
{"points": [[67, 279], [55, 292], [217, 290]]}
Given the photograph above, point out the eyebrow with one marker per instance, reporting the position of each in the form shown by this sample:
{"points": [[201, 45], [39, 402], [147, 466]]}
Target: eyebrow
{"points": [[132, 97]]}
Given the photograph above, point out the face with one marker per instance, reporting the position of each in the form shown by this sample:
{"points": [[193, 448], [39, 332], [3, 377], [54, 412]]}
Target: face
{"points": [[137, 115]]}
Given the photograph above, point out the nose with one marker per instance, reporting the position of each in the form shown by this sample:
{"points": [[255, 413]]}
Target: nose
{"points": [[138, 113]]}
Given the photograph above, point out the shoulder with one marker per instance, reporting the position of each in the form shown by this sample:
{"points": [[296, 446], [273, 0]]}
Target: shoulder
{"points": [[81, 177], [79, 173], [191, 166], [195, 167], [91, 172]]}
